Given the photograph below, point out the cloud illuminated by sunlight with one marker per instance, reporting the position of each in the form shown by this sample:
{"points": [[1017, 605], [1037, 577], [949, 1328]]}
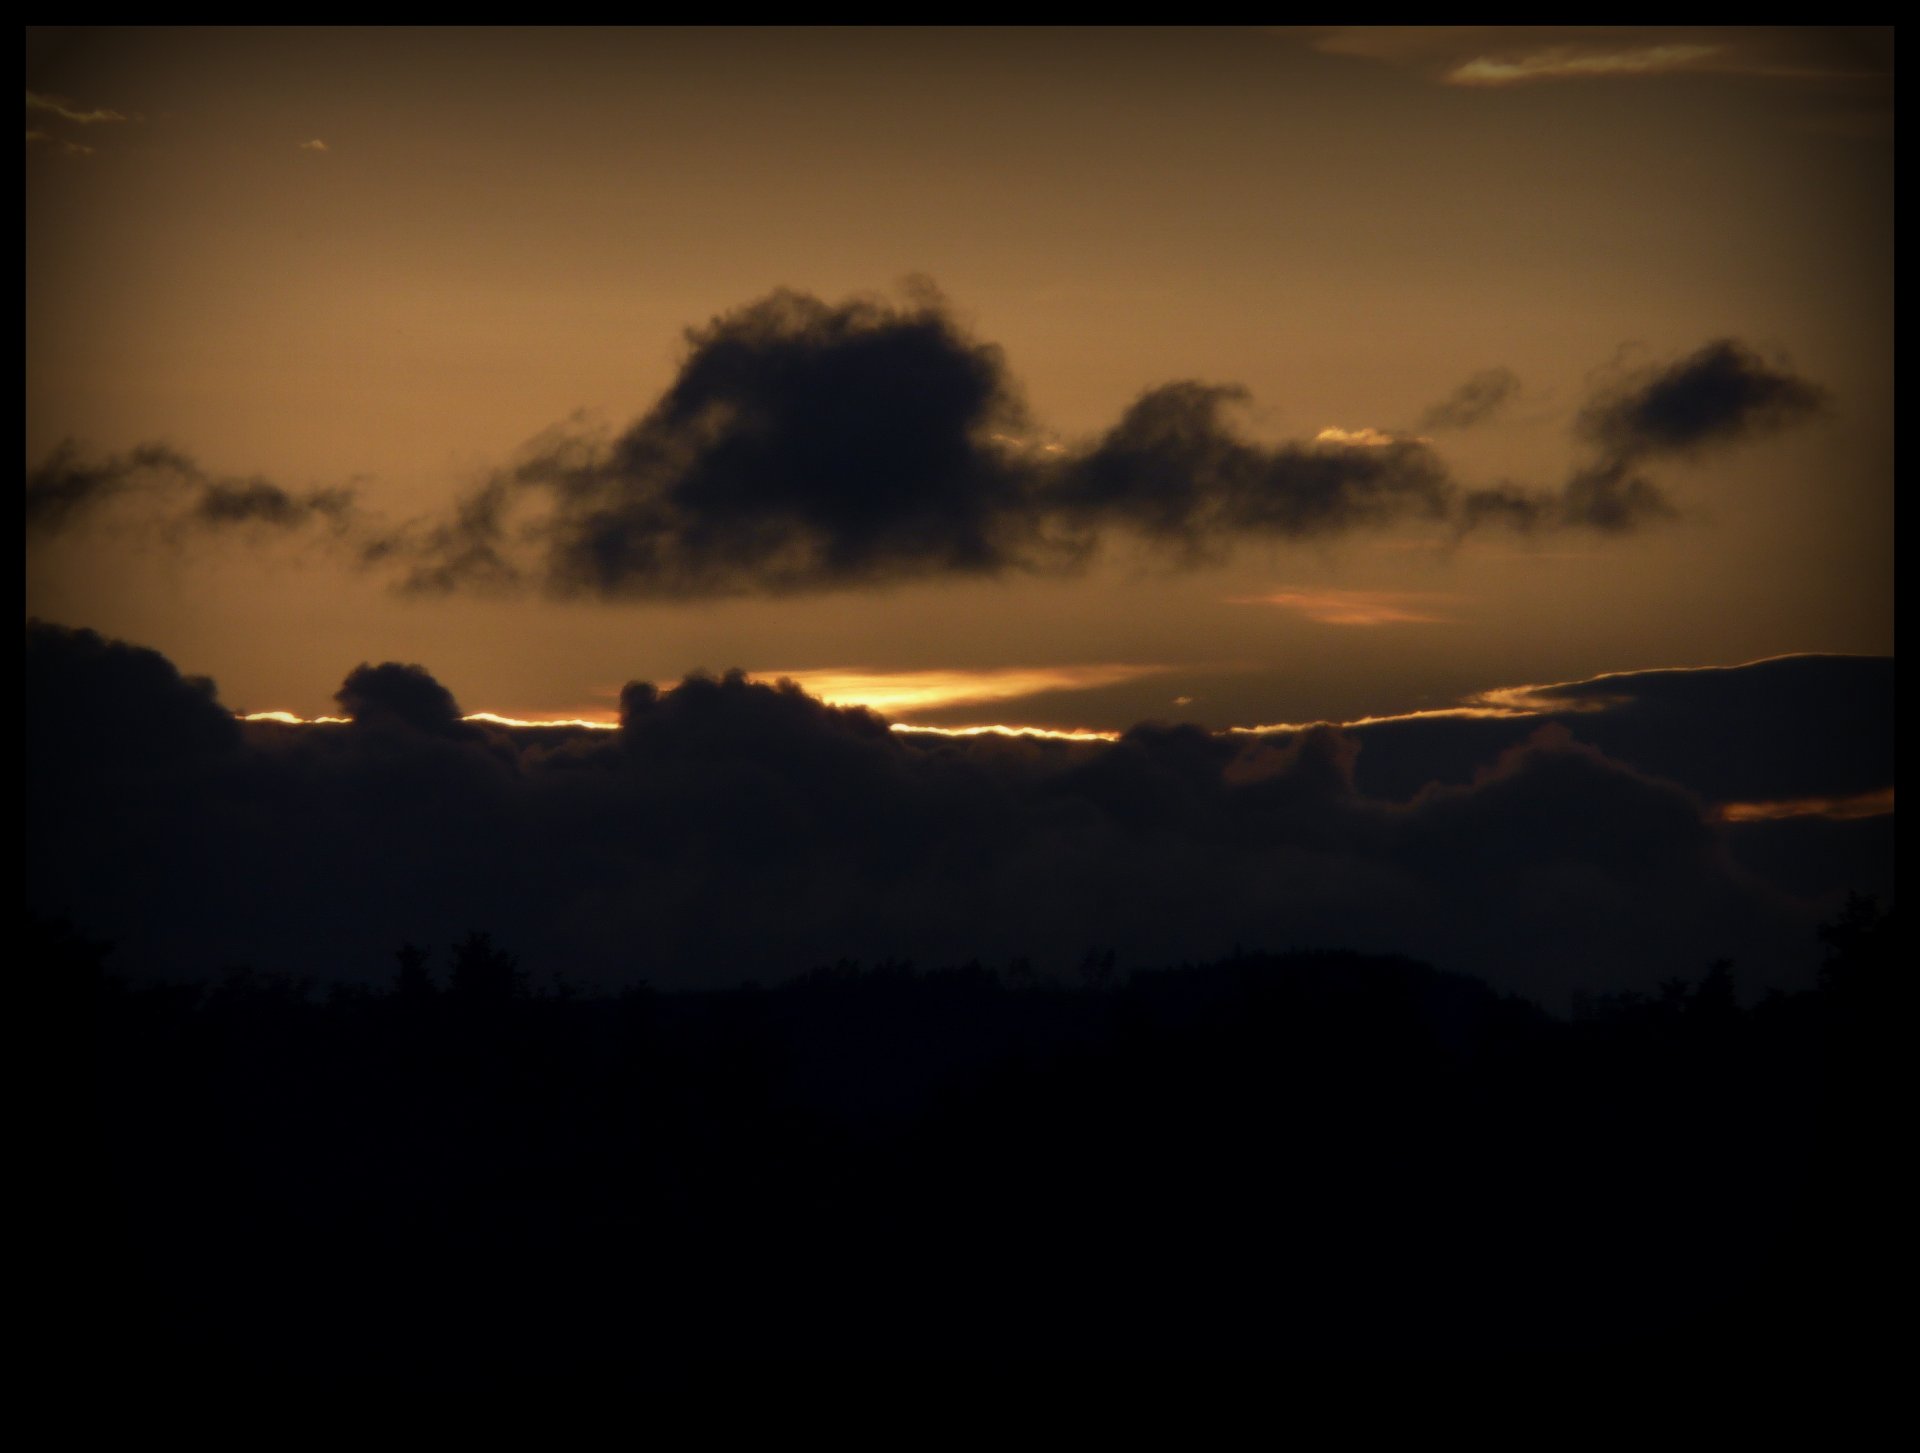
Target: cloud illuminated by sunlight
{"points": [[1542, 700], [1365, 438], [1353, 607]]}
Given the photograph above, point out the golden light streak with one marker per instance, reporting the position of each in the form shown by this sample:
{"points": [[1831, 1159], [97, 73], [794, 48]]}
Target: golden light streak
{"points": [[1041, 446], [1541, 701], [904, 692], [1835, 809], [1046, 733], [1352, 607], [1476, 713], [592, 723], [908, 690], [891, 693], [287, 718]]}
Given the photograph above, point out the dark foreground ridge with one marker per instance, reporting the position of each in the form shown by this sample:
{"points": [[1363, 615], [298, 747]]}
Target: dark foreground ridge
{"points": [[1306, 1155]]}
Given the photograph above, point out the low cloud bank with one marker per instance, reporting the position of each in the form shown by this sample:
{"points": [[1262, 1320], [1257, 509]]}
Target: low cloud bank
{"points": [[731, 829]]}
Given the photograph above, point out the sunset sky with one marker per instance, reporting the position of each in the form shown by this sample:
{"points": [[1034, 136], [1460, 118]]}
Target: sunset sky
{"points": [[1036, 693], [352, 281]]}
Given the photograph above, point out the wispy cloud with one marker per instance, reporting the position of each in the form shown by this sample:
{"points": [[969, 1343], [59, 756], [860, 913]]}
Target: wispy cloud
{"points": [[1560, 63], [1355, 607], [1474, 401], [68, 111], [38, 137], [1497, 56], [316, 144], [160, 488]]}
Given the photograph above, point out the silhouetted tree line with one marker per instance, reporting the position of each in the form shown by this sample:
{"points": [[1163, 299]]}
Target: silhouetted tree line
{"points": [[1301, 1154]]}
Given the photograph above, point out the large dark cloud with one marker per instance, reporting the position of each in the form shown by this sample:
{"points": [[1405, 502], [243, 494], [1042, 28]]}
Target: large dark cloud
{"points": [[802, 443], [806, 446], [731, 830]]}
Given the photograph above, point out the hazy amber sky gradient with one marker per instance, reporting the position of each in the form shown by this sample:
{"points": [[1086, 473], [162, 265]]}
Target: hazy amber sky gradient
{"points": [[388, 260]]}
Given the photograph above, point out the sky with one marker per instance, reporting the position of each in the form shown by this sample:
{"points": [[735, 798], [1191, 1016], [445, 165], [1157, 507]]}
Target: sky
{"points": [[1518, 401], [400, 264]]}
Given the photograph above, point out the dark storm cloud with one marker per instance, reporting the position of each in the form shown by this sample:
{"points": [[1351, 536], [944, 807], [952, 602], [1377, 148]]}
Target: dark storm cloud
{"points": [[103, 706], [1723, 393], [1794, 727], [731, 829], [1474, 402], [807, 446], [159, 487]]}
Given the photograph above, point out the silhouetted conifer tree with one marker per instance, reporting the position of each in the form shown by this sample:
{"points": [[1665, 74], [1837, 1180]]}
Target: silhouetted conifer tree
{"points": [[483, 973], [412, 982]]}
